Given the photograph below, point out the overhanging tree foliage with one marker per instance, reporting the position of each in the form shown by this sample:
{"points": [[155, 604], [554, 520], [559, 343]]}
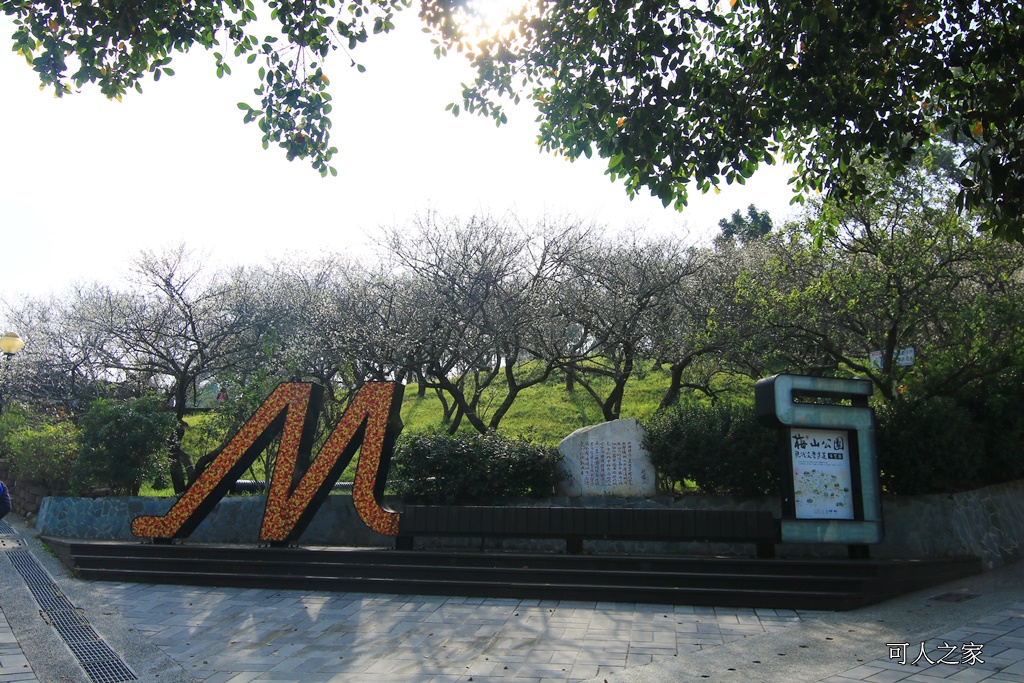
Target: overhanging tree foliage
{"points": [[679, 92], [117, 44], [671, 93]]}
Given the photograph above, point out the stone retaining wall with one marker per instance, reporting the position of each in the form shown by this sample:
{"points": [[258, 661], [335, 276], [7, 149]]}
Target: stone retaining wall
{"points": [[986, 522], [235, 519], [26, 499]]}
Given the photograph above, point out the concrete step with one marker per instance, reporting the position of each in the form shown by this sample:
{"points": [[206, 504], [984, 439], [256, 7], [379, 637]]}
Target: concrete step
{"points": [[733, 581]]}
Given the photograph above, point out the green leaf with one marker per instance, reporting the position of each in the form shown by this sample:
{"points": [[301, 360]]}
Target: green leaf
{"points": [[616, 160], [592, 14]]}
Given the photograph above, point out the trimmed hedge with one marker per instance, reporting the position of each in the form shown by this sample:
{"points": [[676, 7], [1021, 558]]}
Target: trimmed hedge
{"points": [[941, 444], [931, 446], [41, 448], [720, 448], [45, 454], [471, 469]]}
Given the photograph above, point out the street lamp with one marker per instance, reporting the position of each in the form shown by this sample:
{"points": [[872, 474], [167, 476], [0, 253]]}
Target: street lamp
{"points": [[11, 343]]}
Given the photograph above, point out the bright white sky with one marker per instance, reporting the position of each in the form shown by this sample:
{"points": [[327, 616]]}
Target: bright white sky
{"points": [[85, 183]]}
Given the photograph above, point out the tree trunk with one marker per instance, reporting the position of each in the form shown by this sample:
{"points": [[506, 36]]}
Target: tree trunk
{"points": [[675, 384], [456, 421], [181, 464], [447, 409], [466, 409], [513, 392], [612, 407]]}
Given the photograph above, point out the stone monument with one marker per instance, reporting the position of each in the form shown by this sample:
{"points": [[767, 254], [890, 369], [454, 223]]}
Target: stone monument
{"points": [[607, 459]]}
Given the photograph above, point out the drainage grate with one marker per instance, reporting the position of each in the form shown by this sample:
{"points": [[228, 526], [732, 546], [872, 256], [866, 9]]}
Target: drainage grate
{"points": [[53, 603], [62, 618], [44, 590], [6, 529], [29, 569], [94, 651], [96, 658], [108, 672], [79, 633]]}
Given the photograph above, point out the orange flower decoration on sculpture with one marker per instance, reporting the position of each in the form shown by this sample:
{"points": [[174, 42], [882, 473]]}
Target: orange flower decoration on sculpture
{"points": [[371, 421], [231, 462], [287, 513]]}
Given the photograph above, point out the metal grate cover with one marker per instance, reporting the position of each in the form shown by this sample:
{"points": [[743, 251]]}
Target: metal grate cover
{"points": [[29, 568], [60, 618], [102, 664], [44, 590], [53, 603], [92, 651], [6, 529], [108, 672], [79, 633]]}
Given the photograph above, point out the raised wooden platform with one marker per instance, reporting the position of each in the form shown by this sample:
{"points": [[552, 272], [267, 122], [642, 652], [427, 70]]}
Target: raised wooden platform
{"points": [[719, 581]]}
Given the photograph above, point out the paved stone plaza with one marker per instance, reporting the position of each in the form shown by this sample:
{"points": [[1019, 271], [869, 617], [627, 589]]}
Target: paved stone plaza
{"points": [[187, 633], [277, 635]]}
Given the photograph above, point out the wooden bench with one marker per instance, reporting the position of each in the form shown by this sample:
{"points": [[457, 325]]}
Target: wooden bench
{"points": [[575, 524]]}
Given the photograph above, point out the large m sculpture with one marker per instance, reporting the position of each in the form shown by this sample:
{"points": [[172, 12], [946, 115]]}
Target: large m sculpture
{"points": [[370, 425]]}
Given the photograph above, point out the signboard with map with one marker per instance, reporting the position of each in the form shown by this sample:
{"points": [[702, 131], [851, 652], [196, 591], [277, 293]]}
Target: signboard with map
{"points": [[822, 484], [829, 489]]}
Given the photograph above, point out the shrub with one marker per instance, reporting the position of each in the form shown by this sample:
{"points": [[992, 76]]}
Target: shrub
{"points": [[928, 446], [44, 453], [721, 448], [471, 469], [995, 408], [124, 443], [13, 418]]}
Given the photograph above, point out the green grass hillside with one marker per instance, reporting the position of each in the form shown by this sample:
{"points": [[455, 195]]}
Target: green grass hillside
{"points": [[545, 413]]}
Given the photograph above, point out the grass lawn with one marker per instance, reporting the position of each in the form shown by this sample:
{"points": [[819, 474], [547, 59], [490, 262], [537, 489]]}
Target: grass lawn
{"points": [[545, 413]]}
